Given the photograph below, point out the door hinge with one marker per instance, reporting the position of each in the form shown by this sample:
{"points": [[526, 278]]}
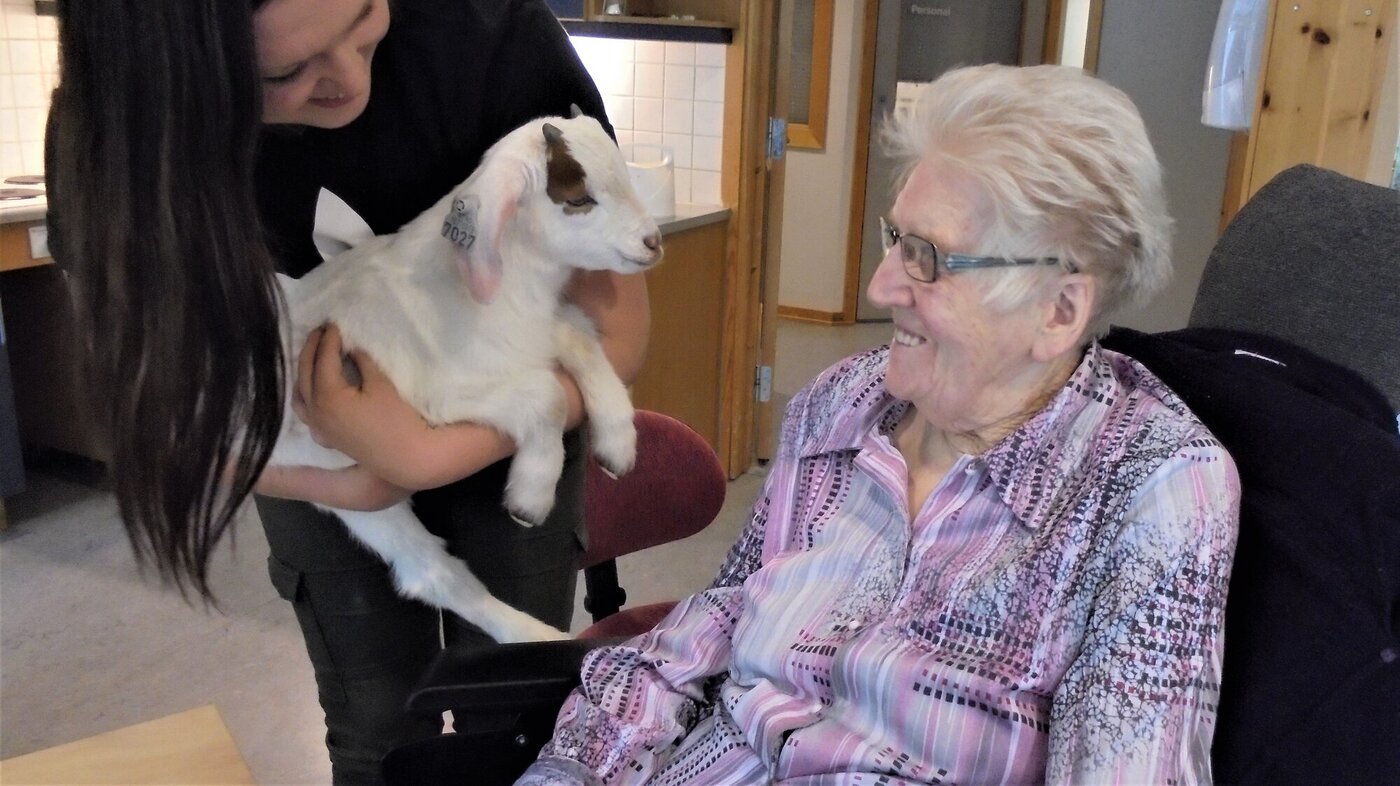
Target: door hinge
{"points": [[763, 383], [777, 138]]}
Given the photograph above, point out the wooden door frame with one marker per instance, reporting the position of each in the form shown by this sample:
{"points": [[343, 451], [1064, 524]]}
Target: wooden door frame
{"points": [[765, 414], [1055, 33], [865, 96], [749, 69], [855, 227]]}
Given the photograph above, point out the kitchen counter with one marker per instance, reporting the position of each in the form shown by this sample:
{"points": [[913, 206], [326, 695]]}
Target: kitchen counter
{"points": [[690, 216], [23, 210]]}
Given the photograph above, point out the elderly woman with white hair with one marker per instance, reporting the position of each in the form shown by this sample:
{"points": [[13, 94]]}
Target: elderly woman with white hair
{"points": [[992, 552]]}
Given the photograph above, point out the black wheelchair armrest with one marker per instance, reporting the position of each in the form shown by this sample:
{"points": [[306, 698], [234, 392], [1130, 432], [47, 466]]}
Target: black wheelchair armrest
{"points": [[503, 679]]}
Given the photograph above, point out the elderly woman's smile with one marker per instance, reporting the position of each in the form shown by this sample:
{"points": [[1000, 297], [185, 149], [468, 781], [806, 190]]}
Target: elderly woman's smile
{"points": [[906, 339], [966, 364]]}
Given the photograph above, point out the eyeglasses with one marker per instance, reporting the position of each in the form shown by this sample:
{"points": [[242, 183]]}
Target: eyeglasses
{"points": [[923, 259]]}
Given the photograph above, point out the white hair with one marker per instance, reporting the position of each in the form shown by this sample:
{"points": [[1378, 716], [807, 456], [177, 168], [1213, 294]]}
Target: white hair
{"points": [[1067, 171]]}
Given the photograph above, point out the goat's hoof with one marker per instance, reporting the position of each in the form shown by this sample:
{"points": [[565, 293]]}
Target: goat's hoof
{"points": [[614, 470], [522, 521], [615, 449]]}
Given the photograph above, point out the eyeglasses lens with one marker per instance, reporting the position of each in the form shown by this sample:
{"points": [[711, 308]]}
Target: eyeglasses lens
{"points": [[919, 256], [920, 259]]}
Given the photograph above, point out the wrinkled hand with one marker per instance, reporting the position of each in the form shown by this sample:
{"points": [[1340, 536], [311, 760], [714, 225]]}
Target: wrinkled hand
{"points": [[349, 404]]}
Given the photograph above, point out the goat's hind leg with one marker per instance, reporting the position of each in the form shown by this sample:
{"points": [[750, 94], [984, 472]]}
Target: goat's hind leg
{"points": [[423, 570], [609, 408]]}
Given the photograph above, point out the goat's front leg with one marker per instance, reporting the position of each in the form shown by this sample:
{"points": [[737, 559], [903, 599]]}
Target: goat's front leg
{"points": [[605, 399], [532, 411], [423, 570]]}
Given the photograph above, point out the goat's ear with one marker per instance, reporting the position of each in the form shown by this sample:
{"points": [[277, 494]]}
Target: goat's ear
{"points": [[480, 215], [574, 111]]}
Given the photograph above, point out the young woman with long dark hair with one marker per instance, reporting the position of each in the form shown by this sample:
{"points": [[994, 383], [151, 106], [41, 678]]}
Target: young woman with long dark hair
{"points": [[195, 146]]}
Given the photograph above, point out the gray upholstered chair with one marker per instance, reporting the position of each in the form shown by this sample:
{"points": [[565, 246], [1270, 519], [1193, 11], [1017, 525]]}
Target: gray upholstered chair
{"points": [[1300, 295], [1313, 258]]}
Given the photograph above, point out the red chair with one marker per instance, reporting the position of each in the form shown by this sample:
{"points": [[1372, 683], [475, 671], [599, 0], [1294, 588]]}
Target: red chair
{"points": [[675, 490], [504, 698]]}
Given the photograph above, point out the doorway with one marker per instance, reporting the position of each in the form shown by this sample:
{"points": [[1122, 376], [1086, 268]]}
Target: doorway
{"points": [[915, 41]]}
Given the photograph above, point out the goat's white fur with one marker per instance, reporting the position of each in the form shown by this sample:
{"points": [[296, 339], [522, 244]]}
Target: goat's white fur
{"points": [[483, 349]]}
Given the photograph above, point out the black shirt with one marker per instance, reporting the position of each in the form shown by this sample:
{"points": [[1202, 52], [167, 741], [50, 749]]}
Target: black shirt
{"points": [[449, 79]]}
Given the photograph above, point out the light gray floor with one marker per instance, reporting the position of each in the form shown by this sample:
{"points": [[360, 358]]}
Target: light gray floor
{"points": [[87, 645]]}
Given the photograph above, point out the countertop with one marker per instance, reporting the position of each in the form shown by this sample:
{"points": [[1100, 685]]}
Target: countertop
{"points": [[23, 210], [690, 216]]}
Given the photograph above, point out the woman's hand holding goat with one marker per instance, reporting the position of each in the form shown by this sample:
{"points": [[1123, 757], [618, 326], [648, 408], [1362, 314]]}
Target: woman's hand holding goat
{"points": [[398, 452]]}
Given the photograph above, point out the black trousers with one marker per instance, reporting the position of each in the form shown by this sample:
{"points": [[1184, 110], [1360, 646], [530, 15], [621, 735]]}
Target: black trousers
{"points": [[368, 646]]}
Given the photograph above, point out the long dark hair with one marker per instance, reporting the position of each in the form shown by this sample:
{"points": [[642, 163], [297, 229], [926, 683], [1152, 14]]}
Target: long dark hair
{"points": [[152, 142]]}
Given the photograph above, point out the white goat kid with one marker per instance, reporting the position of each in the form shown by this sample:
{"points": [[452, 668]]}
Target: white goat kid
{"points": [[461, 309]]}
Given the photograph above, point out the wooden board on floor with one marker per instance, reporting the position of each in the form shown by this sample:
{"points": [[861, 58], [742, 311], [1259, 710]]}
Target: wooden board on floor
{"points": [[191, 747]]}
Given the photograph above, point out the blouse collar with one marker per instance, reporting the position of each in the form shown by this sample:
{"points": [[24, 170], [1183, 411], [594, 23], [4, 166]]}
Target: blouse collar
{"points": [[1029, 467]]}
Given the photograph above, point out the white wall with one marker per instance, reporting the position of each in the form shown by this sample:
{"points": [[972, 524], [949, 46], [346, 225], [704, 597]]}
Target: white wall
{"points": [[28, 74], [1156, 52], [817, 194]]}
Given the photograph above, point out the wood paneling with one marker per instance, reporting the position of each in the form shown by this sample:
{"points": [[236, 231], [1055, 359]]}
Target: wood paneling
{"points": [[682, 375], [1323, 71], [14, 247]]}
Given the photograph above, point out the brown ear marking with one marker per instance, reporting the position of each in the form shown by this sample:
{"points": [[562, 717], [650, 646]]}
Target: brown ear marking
{"points": [[564, 174]]}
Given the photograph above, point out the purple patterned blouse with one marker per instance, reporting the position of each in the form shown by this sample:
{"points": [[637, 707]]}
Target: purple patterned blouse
{"points": [[1052, 613]]}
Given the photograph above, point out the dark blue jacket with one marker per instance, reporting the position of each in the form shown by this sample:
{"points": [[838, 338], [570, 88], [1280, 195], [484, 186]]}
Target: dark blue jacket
{"points": [[1311, 684]]}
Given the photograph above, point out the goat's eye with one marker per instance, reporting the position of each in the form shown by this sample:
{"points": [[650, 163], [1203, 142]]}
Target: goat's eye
{"points": [[583, 201]]}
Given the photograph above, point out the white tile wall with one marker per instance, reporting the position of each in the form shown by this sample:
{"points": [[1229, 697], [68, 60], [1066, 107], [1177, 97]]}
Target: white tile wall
{"points": [[658, 93], [669, 94], [28, 74]]}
